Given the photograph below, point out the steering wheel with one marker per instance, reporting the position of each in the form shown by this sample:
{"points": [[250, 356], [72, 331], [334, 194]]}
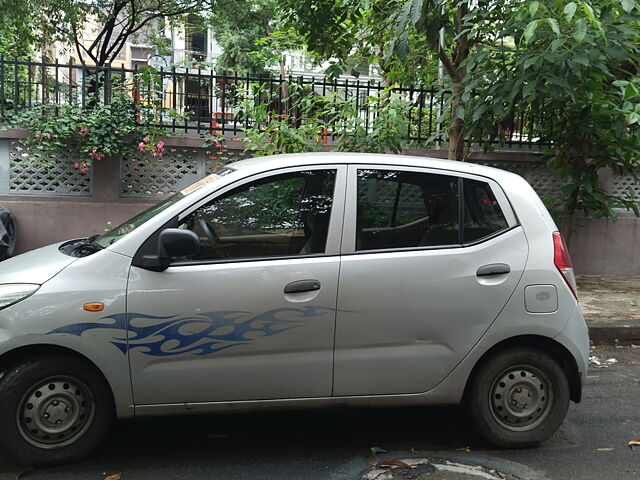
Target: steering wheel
{"points": [[213, 238]]}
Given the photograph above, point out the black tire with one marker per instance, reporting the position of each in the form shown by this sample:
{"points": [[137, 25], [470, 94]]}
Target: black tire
{"points": [[53, 410], [518, 398]]}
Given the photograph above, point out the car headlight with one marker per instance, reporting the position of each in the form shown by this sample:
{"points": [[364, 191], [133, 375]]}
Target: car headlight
{"points": [[11, 293]]}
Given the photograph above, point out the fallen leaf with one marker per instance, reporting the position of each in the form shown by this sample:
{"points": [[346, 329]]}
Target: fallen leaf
{"points": [[463, 449], [634, 443], [394, 463], [115, 476], [376, 450]]}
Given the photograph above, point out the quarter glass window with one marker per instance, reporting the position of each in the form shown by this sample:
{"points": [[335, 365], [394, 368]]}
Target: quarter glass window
{"points": [[279, 216], [482, 214]]}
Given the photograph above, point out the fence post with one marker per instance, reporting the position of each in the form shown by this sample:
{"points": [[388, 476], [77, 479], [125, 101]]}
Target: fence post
{"points": [[57, 85], [29, 84], [174, 99], [2, 99], [16, 86], [107, 85], [43, 74], [224, 102]]}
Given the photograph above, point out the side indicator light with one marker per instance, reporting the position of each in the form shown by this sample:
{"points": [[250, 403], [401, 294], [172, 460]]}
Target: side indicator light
{"points": [[93, 306]]}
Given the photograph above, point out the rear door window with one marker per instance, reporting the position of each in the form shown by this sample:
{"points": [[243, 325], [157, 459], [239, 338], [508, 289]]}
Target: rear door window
{"points": [[405, 209], [400, 209]]}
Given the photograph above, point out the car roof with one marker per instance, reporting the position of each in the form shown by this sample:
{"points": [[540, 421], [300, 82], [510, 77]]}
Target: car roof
{"points": [[320, 158]]}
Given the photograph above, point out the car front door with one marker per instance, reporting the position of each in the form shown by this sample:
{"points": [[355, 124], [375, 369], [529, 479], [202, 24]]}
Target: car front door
{"points": [[414, 297], [252, 316]]}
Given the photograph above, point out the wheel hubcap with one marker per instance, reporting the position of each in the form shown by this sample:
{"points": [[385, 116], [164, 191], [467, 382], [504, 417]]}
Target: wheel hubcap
{"points": [[55, 412], [521, 398]]}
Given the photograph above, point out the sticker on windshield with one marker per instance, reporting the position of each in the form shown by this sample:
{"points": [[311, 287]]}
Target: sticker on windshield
{"points": [[200, 183]]}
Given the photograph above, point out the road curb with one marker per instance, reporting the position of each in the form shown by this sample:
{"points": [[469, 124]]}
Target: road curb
{"points": [[611, 334]]}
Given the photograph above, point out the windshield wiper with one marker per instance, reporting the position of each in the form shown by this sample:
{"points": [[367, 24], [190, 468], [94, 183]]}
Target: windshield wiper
{"points": [[87, 246]]}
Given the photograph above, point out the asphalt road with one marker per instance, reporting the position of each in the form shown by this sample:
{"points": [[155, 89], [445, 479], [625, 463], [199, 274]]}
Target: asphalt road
{"points": [[335, 444]]}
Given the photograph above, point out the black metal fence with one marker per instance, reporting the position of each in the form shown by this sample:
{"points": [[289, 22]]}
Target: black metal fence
{"points": [[197, 101]]}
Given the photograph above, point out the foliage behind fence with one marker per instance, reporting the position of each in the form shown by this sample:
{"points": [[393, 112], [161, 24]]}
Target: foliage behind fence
{"points": [[197, 101]]}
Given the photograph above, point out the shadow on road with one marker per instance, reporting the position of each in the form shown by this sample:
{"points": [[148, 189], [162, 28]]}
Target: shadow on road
{"points": [[273, 444]]}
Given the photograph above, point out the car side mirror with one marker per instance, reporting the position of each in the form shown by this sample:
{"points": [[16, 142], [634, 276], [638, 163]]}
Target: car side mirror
{"points": [[172, 243]]}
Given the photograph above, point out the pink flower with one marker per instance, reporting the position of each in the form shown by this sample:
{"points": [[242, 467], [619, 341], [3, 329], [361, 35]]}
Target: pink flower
{"points": [[146, 139], [134, 159], [160, 144], [84, 170], [140, 147], [116, 132], [37, 135], [93, 150], [218, 144], [77, 165]]}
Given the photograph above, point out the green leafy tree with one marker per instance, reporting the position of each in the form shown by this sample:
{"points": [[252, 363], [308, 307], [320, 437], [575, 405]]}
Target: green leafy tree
{"points": [[352, 34], [118, 21], [453, 30], [574, 67], [253, 35], [401, 37], [18, 35]]}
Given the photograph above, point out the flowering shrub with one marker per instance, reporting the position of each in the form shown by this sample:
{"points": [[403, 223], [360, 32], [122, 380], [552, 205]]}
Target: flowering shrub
{"points": [[152, 147], [93, 133]]}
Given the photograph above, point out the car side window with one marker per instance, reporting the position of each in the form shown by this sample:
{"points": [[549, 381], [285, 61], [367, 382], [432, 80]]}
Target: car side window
{"points": [[282, 215], [482, 214], [399, 209]]}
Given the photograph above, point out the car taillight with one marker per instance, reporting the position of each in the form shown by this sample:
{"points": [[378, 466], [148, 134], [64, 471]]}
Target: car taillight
{"points": [[562, 262]]}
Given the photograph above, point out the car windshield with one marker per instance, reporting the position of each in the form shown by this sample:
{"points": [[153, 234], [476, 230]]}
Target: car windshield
{"points": [[130, 225]]}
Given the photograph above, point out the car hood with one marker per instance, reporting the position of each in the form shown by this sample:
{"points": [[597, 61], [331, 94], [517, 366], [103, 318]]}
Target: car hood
{"points": [[36, 266]]}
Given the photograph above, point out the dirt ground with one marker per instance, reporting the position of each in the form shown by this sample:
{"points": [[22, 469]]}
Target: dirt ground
{"points": [[610, 297]]}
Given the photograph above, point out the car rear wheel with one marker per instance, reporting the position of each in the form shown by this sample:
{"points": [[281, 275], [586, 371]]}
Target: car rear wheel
{"points": [[519, 398], [54, 410]]}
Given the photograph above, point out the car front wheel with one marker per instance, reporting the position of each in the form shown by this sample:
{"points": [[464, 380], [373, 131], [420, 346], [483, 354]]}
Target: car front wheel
{"points": [[519, 398], [54, 410]]}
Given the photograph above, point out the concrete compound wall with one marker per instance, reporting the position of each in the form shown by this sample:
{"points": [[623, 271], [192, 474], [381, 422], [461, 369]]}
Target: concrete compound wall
{"points": [[598, 247]]}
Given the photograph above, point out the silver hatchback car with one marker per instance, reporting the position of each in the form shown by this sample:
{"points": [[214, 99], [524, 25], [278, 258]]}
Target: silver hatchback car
{"points": [[298, 281]]}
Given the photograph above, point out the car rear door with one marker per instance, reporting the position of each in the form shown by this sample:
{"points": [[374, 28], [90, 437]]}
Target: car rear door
{"points": [[418, 286], [252, 317]]}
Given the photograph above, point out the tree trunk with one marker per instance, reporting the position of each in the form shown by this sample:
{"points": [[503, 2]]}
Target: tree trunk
{"points": [[456, 131], [458, 74]]}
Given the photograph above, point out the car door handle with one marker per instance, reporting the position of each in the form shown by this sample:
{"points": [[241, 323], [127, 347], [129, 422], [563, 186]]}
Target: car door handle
{"points": [[493, 269], [302, 286]]}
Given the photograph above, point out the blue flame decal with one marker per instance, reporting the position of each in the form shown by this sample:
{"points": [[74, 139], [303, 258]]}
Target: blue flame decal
{"points": [[197, 334]]}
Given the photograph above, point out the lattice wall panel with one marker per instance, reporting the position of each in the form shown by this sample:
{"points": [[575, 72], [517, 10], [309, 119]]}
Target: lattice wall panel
{"points": [[624, 186], [160, 176], [214, 159], [544, 181], [32, 173]]}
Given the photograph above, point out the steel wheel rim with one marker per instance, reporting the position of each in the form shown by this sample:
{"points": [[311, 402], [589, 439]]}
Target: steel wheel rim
{"points": [[55, 412], [521, 398]]}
